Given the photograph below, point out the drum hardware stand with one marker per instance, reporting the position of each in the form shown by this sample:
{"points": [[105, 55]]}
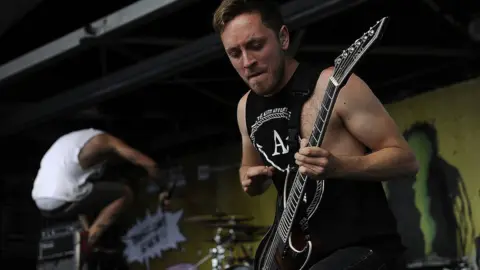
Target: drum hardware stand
{"points": [[216, 254], [230, 230]]}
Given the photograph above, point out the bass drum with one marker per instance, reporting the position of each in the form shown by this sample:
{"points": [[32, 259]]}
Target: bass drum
{"points": [[240, 267]]}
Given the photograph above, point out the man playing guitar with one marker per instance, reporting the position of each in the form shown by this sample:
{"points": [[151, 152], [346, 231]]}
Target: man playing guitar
{"points": [[353, 226]]}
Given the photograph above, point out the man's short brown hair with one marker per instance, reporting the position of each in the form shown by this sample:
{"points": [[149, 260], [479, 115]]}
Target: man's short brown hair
{"points": [[229, 9]]}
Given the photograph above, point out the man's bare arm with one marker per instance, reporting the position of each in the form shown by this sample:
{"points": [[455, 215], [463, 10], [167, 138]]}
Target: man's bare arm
{"points": [[134, 156], [367, 120], [250, 156]]}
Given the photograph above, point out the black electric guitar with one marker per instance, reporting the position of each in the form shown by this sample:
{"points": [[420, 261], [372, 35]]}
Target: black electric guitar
{"points": [[285, 246]]}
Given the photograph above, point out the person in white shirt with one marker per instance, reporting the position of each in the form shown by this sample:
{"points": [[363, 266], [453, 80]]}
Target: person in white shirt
{"points": [[63, 185]]}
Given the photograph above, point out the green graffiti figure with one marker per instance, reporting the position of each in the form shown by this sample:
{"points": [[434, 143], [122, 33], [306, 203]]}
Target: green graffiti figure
{"points": [[433, 211]]}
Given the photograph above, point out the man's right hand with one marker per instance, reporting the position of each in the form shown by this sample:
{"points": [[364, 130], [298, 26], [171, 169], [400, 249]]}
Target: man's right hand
{"points": [[153, 171], [255, 178]]}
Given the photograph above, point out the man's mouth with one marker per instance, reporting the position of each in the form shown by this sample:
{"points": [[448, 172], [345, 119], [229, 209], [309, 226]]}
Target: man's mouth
{"points": [[255, 75]]}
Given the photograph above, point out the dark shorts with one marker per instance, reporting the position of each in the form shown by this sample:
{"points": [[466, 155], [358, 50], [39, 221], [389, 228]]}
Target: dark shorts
{"points": [[101, 195]]}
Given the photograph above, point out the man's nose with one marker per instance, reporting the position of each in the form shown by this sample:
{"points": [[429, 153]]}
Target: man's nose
{"points": [[248, 60]]}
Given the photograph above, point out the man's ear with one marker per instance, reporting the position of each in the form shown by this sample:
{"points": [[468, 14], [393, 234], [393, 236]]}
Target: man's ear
{"points": [[284, 37]]}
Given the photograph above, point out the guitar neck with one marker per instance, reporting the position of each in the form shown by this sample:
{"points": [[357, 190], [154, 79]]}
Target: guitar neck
{"points": [[323, 116], [316, 138]]}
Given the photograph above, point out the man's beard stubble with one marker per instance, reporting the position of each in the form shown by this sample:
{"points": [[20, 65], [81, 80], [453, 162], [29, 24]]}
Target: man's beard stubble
{"points": [[277, 78]]}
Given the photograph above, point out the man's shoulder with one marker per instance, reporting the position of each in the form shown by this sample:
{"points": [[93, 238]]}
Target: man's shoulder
{"points": [[243, 100], [80, 137], [79, 132]]}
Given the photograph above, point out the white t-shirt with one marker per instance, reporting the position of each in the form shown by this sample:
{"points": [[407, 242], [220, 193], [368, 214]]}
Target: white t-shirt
{"points": [[60, 175]]}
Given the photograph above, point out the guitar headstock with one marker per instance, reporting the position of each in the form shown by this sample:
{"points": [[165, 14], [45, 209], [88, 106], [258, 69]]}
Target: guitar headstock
{"points": [[345, 62]]}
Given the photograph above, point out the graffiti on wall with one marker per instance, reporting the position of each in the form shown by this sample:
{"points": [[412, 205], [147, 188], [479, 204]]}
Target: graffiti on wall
{"points": [[433, 210], [156, 233]]}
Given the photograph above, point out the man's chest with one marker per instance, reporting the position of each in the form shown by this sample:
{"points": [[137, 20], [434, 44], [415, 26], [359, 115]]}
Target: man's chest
{"points": [[270, 132], [269, 135]]}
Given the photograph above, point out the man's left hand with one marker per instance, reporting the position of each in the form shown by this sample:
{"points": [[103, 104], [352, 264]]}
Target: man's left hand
{"points": [[314, 162]]}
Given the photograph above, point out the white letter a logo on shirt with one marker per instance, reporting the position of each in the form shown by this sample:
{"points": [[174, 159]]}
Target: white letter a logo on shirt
{"points": [[279, 143]]}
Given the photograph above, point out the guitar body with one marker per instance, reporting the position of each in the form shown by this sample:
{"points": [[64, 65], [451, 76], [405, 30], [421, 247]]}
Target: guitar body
{"points": [[285, 258], [299, 248]]}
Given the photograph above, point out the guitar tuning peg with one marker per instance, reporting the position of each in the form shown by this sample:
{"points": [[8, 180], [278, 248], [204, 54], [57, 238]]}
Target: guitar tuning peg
{"points": [[337, 61]]}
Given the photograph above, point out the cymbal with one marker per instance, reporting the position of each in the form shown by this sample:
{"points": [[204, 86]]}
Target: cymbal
{"points": [[220, 217], [239, 238], [245, 228]]}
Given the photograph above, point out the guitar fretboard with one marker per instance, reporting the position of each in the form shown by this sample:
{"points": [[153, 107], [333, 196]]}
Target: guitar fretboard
{"points": [[316, 138], [318, 131]]}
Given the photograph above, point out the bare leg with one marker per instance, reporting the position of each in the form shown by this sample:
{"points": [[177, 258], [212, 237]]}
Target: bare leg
{"points": [[107, 216]]}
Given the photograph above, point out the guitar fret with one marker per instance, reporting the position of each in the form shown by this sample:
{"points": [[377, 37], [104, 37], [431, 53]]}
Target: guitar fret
{"points": [[291, 211], [283, 232], [326, 102], [314, 142], [330, 89], [324, 115], [298, 185], [290, 215], [279, 234]]}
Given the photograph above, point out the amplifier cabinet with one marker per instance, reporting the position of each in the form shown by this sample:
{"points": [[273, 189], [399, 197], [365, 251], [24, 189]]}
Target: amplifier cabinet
{"points": [[58, 242]]}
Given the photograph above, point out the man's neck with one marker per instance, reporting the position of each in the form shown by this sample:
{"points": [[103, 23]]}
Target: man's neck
{"points": [[290, 67]]}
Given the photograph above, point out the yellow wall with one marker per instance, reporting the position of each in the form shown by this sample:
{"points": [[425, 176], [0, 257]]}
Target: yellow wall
{"points": [[454, 113]]}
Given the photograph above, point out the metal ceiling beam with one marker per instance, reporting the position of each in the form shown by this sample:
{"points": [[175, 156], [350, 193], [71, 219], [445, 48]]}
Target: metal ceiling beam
{"points": [[297, 14], [133, 56], [134, 14], [398, 51]]}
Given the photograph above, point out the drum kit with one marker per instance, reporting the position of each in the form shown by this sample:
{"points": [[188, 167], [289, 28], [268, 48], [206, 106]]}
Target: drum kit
{"points": [[231, 234]]}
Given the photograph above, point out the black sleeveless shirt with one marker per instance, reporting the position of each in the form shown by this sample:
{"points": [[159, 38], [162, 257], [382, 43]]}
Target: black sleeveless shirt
{"points": [[350, 212]]}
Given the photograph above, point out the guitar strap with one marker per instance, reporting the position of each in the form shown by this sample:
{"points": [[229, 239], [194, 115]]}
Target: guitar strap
{"points": [[301, 89]]}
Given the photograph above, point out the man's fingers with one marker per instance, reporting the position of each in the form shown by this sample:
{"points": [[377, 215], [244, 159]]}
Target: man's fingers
{"points": [[259, 170], [303, 143], [314, 152], [270, 171]]}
